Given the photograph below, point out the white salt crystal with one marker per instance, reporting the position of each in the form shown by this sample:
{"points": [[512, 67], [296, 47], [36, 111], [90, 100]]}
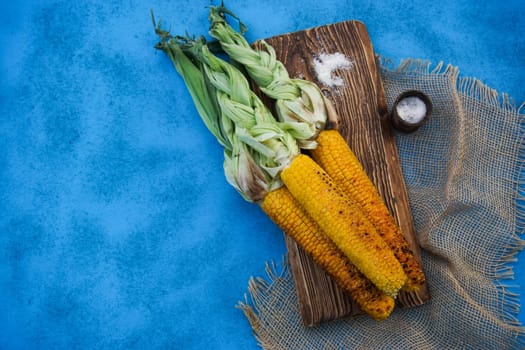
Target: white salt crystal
{"points": [[326, 64], [411, 109]]}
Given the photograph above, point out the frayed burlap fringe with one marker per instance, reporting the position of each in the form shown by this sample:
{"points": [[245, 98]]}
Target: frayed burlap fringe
{"points": [[260, 291], [481, 293]]}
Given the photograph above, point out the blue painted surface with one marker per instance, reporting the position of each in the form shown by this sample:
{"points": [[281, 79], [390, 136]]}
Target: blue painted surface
{"points": [[118, 229]]}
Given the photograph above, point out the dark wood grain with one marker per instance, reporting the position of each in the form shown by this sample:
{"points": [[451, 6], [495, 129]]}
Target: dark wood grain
{"points": [[361, 109]]}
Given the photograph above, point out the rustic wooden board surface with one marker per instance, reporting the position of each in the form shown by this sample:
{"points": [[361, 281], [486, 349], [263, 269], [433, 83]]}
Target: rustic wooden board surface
{"points": [[361, 108]]}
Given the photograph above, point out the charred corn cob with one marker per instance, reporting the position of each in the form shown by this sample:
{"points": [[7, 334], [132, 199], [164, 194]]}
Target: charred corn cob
{"points": [[337, 159], [284, 210], [344, 223]]}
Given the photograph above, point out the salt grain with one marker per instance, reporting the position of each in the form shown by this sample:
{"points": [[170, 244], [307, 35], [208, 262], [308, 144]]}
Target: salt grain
{"points": [[326, 64], [411, 109]]}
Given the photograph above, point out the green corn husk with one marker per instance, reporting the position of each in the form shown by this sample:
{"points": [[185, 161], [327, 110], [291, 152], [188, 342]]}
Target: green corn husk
{"points": [[254, 123], [240, 168], [257, 147], [297, 100]]}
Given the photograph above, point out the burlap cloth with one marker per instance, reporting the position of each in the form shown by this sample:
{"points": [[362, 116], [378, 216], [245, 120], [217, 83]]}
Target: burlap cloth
{"points": [[462, 174]]}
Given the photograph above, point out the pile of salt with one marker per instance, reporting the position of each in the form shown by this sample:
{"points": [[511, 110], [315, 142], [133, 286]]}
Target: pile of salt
{"points": [[326, 64], [411, 109]]}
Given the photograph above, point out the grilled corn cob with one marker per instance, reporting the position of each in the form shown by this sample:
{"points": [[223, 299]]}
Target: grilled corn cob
{"points": [[337, 159], [344, 223], [284, 210]]}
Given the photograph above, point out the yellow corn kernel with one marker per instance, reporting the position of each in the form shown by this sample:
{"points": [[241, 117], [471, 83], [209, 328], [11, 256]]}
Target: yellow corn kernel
{"points": [[344, 223], [284, 211], [335, 156]]}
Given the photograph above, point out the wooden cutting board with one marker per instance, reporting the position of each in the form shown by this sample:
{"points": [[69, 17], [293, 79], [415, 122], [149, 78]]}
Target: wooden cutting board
{"points": [[362, 111]]}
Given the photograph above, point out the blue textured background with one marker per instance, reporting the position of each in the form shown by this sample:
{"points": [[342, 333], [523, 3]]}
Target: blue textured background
{"points": [[117, 228]]}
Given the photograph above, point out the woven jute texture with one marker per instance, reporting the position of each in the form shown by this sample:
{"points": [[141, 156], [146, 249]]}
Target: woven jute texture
{"points": [[462, 171]]}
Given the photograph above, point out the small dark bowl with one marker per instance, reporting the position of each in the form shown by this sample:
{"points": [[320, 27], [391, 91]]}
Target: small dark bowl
{"points": [[404, 125]]}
